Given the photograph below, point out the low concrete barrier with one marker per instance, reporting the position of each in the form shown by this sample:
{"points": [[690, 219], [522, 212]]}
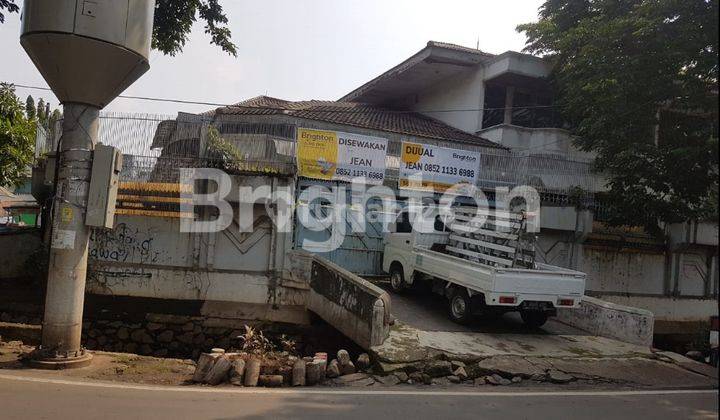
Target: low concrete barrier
{"points": [[606, 319], [354, 306]]}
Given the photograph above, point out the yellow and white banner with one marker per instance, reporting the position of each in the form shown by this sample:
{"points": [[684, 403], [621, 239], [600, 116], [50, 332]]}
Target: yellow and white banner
{"points": [[337, 156], [433, 168]]}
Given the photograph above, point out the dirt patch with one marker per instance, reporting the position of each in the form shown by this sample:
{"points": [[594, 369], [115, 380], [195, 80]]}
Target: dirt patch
{"points": [[114, 367]]}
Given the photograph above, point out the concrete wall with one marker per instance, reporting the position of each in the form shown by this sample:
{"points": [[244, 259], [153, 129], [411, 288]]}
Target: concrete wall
{"points": [[15, 247], [539, 140], [606, 319], [669, 308], [462, 92], [623, 271], [235, 275], [702, 233], [517, 63], [677, 286]]}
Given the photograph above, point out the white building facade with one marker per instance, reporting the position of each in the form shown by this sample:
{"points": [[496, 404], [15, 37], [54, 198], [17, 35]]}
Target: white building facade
{"points": [[507, 99]]}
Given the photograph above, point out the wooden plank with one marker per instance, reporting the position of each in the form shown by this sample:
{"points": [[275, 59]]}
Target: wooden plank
{"points": [[481, 256], [483, 244]]}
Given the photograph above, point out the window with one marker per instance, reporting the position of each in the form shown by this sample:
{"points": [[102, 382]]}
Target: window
{"points": [[403, 224], [494, 102]]}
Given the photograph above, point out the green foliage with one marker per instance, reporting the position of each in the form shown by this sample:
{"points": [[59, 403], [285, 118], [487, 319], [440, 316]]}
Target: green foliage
{"points": [[174, 20], [54, 118], [40, 112], [8, 5], [225, 155], [637, 81], [30, 107], [255, 342], [173, 23], [17, 137], [221, 152]]}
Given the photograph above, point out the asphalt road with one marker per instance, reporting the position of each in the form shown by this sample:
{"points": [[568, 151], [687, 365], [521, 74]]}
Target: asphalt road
{"points": [[42, 398]]}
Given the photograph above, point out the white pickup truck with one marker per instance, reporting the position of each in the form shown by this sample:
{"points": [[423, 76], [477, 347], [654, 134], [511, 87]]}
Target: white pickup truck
{"points": [[475, 288]]}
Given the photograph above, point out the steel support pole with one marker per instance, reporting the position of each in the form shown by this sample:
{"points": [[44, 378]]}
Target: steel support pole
{"points": [[62, 323]]}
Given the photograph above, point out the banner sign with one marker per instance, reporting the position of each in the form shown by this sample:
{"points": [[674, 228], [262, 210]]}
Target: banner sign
{"points": [[432, 168], [337, 156]]}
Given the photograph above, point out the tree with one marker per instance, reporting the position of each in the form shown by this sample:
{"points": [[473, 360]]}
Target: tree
{"points": [[30, 107], [174, 20], [637, 82], [17, 137], [8, 5], [173, 23], [40, 112], [54, 118]]}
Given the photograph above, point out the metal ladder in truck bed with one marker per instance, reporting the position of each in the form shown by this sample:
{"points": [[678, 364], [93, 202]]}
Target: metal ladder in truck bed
{"points": [[498, 238]]}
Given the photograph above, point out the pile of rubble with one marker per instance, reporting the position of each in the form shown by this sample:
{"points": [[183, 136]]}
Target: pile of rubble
{"points": [[278, 370], [247, 369], [444, 372]]}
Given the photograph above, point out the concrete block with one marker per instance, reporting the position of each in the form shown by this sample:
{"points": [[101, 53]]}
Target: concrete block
{"points": [[333, 369], [363, 362], [343, 357], [347, 369], [314, 372], [252, 372], [606, 319], [298, 373], [270, 381], [203, 366], [286, 373], [237, 372], [219, 372], [354, 306]]}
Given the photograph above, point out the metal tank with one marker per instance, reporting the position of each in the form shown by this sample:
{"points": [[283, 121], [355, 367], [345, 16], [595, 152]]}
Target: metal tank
{"points": [[88, 51]]}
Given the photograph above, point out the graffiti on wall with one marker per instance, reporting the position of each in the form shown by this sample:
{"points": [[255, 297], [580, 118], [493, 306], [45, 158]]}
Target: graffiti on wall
{"points": [[124, 244]]}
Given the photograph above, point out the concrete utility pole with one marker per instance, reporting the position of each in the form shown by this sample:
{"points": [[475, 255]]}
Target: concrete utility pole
{"points": [[62, 325], [88, 52]]}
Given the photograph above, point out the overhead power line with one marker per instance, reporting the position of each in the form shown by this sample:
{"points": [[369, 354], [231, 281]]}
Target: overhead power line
{"points": [[216, 104]]}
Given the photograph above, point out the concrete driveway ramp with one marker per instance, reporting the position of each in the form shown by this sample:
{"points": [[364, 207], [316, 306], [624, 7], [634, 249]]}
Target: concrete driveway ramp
{"points": [[540, 357]]}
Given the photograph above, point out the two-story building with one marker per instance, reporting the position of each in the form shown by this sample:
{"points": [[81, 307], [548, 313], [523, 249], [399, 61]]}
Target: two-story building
{"points": [[507, 98]]}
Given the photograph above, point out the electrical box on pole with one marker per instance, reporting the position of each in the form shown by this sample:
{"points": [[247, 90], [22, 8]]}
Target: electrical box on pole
{"points": [[106, 167]]}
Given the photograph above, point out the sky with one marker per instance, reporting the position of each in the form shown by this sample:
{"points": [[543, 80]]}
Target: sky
{"points": [[297, 49]]}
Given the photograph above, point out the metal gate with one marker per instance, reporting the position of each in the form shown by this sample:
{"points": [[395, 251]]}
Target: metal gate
{"points": [[361, 250]]}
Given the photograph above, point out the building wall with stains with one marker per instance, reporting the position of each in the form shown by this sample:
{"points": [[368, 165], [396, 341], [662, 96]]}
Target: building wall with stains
{"points": [[235, 275], [677, 282]]}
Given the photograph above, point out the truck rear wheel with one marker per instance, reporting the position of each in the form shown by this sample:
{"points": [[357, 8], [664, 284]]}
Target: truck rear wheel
{"points": [[460, 306], [534, 319], [397, 278]]}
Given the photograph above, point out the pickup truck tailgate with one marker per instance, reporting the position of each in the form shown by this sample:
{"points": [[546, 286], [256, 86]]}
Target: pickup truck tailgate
{"points": [[548, 284], [544, 282]]}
